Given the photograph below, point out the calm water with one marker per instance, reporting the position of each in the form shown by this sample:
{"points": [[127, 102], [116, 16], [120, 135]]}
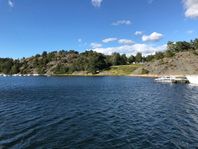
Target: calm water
{"points": [[96, 112]]}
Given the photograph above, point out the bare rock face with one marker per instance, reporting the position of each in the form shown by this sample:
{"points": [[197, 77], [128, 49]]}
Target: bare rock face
{"points": [[181, 64]]}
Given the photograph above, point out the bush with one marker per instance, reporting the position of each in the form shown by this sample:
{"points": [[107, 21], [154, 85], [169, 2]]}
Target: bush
{"points": [[169, 53], [145, 71]]}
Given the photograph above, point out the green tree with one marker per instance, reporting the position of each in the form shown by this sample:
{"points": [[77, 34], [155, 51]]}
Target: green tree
{"points": [[150, 58], [117, 59], [123, 59], [15, 69], [44, 54], [159, 55], [181, 46], [131, 59], [138, 57], [195, 44], [96, 62], [169, 53], [7, 65]]}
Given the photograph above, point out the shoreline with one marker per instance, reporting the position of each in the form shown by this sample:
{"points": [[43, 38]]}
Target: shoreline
{"points": [[91, 75], [108, 75], [145, 75], [114, 75]]}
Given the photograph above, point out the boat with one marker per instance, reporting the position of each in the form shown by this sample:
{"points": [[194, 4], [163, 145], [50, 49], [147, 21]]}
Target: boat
{"points": [[15, 75], [165, 79], [172, 79], [35, 75], [193, 79], [181, 79]]}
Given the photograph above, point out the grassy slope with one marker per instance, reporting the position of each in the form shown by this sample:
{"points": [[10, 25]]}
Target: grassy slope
{"points": [[123, 69]]}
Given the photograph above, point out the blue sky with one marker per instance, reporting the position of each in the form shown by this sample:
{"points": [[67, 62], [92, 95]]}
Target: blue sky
{"points": [[28, 27]]}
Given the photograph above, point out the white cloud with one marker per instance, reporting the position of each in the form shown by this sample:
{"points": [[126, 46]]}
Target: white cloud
{"points": [[138, 33], [191, 7], [11, 3], [95, 45], [107, 40], [152, 37], [96, 3], [145, 49], [125, 41], [121, 22]]}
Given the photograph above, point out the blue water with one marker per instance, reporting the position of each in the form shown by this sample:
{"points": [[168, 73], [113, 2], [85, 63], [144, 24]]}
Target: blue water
{"points": [[96, 112]]}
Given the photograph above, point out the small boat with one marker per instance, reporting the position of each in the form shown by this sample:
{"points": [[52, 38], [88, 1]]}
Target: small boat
{"points": [[181, 79], [165, 79], [193, 79], [4, 75], [15, 75], [35, 75], [172, 79]]}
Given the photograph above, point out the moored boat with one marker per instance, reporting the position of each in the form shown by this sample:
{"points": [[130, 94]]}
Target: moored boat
{"points": [[172, 79], [165, 79]]}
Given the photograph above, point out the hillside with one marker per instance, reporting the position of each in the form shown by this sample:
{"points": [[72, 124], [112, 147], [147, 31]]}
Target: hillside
{"points": [[180, 58], [181, 64], [69, 63]]}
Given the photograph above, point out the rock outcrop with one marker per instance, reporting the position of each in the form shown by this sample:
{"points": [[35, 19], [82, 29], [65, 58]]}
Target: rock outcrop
{"points": [[181, 64]]}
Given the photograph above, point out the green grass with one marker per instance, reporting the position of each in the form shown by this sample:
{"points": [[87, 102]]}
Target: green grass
{"points": [[123, 69], [120, 70]]}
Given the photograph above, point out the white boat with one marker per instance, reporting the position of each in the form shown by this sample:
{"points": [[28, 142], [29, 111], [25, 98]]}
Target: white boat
{"points": [[35, 75], [15, 75], [172, 79], [165, 79], [193, 79], [5, 75]]}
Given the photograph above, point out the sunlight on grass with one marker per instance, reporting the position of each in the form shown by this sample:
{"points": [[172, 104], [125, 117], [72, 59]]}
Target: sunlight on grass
{"points": [[123, 69]]}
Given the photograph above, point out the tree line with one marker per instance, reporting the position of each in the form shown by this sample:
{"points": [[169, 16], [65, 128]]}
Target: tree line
{"points": [[67, 62], [60, 62]]}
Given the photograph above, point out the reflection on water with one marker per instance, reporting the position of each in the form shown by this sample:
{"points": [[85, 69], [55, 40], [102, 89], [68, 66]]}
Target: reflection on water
{"points": [[97, 112]]}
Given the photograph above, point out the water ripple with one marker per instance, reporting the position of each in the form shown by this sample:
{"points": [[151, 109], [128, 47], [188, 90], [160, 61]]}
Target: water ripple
{"points": [[98, 112]]}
